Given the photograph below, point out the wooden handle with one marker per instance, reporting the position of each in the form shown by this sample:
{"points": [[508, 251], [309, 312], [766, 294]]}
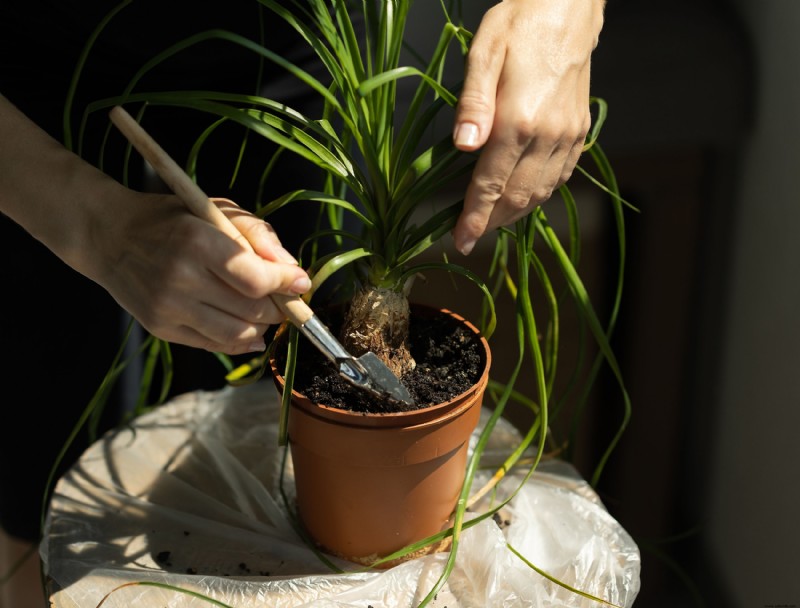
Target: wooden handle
{"points": [[296, 310], [176, 178], [294, 307]]}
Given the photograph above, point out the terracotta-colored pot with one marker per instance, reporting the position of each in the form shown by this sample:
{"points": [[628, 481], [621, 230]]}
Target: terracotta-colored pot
{"points": [[370, 484]]}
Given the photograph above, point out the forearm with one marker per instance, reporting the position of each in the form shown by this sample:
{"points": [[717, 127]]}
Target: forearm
{"points": [[48, 190], [182, 278]]}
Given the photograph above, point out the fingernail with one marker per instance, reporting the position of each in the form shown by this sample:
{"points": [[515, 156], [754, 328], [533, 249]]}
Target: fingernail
{"points": [[301, 285], [466, 134], [257, 346], [467, 246]]}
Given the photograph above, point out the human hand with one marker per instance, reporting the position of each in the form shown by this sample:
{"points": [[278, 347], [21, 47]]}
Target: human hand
{"points": [[182, 278], [187, 282], [525, 102]]}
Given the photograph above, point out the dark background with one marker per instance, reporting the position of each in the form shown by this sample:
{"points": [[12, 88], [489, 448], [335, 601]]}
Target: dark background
{"points": [[679, 82]]}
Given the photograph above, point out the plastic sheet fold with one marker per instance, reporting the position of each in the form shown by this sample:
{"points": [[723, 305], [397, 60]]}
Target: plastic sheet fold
{"points": [[189, 503]]}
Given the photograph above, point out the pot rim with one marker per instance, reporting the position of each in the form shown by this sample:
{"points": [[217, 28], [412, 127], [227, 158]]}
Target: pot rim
{"points": [[413, 418]]}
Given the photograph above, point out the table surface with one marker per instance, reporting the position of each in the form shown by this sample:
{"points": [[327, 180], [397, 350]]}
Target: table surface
{"points": [[188, 502]]}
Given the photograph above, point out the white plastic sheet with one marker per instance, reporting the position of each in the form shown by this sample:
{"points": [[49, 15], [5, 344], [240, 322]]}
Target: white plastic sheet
{"points": [[189, 496]]}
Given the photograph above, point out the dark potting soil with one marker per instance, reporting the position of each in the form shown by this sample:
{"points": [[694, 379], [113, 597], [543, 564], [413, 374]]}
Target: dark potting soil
{"points": [[449, 361]]}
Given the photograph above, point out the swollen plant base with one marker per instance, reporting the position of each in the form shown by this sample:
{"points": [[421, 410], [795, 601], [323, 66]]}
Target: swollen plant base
{"points": [[448, 362]]}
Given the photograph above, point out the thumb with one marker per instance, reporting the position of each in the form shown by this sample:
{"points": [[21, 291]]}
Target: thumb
{"points": [[476, 105]]}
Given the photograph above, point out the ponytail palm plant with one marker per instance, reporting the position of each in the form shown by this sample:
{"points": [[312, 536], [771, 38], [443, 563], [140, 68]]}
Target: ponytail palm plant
{"points": [[382, 205]]}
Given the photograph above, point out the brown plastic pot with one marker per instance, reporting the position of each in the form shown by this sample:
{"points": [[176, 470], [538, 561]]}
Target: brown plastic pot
{"points": [[370, 484]]}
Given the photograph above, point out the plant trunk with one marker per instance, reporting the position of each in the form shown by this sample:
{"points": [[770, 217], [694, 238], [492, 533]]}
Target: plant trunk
{"points": [[377, 321]]}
